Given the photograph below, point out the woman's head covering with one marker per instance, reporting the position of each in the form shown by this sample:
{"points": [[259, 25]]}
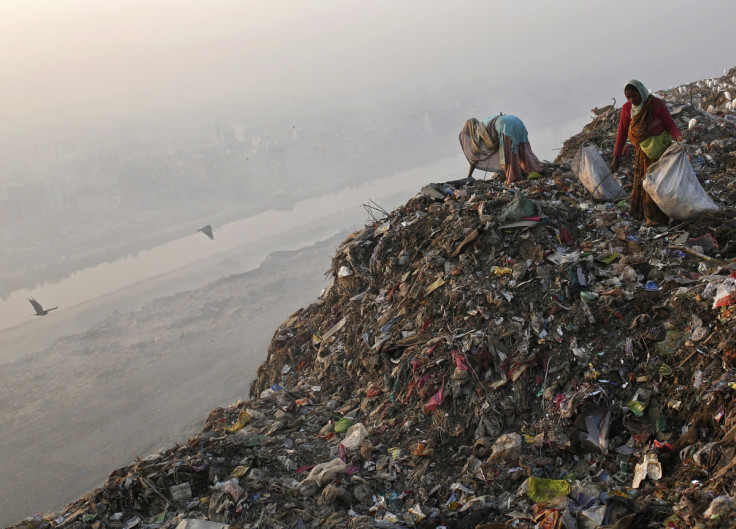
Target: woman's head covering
{"points": [[643, 92]]}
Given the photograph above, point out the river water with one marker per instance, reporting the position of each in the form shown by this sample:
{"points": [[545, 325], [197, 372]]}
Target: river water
{"points": [[253, 238]]}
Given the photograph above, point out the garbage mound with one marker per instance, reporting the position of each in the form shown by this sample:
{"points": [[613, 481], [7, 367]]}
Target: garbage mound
{"points": [[485, 357]]}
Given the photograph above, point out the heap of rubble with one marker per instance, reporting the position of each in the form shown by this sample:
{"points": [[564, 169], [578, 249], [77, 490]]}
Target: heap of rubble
{"points": [[486, 357]]}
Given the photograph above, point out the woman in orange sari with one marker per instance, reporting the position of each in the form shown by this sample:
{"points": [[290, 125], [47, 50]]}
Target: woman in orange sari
{"points": [[646, 121]]}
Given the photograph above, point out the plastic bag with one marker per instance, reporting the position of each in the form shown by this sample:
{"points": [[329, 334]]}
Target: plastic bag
{"points": [[342, 425], [436, 400], [506, 448], [354, 436], [519, 208], [648, 468], [672, 184], [326, 472], [655, 146], [589, 167], [726, 293], [546, 490]]}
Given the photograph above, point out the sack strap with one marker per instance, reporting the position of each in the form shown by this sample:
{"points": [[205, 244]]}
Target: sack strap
{"points": [[587, 143]]}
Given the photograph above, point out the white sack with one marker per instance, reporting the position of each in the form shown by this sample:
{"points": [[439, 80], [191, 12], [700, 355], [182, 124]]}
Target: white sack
{"points": [[672, 184], [589, 167]]}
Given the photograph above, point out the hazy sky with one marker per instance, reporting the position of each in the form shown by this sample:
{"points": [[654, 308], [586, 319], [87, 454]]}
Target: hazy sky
{"points": [[67, 62]]}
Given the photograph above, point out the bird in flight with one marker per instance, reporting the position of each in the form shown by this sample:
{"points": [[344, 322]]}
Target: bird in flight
{"points": [[207, 230], [40, 311]]}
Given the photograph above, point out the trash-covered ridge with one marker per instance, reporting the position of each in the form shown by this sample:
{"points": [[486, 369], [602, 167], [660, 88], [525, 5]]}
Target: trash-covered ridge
{"points": [[486, 356]]}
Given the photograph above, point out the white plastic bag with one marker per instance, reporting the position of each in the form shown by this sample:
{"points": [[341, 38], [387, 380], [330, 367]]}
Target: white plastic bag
{"points": [[672, 184], [354, 436], [725, 293], [589, 167], [326, 472]]}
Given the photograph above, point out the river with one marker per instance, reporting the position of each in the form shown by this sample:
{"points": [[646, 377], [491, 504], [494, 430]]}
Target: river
{"points": [[251, 238]]}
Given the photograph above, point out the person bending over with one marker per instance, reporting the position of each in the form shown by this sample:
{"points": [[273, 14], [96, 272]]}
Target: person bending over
{"points": [[502, 133]]}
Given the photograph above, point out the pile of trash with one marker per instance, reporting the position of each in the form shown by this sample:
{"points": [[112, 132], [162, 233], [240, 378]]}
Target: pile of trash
{"points": [[486, 357]]}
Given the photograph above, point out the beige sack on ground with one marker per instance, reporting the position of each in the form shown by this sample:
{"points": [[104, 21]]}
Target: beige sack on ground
{"points": [[588, 165]]}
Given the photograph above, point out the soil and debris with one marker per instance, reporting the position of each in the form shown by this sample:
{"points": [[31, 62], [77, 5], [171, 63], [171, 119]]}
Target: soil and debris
{"points": [[486, 357]]}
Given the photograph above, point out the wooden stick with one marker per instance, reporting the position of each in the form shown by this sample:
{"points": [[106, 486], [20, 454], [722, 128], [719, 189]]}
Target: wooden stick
{"points": [[686, 359], [701, 255]]}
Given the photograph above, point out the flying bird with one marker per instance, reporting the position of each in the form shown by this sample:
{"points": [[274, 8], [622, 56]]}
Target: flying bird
{"points": [[40, 311], [207, 230]]}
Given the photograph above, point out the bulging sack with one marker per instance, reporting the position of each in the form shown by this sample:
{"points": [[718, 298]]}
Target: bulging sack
{"points": [[654, 146], [672, 184], [588, 165]]}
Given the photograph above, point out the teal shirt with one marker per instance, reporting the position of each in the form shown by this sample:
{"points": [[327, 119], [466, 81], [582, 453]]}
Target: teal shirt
{"points": [[511, 126]]}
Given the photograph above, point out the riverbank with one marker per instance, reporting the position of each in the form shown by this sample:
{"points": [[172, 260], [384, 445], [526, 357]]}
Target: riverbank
{"points": [[339, 209], [140, 381]]}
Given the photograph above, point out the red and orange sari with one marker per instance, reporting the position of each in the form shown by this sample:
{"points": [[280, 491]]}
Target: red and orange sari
{"points": [[642, 206]]}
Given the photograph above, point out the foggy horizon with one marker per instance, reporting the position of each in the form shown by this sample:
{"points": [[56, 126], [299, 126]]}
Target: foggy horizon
{"points": [[92, 64]]}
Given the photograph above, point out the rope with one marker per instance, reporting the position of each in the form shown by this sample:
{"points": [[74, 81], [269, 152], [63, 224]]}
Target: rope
{"points": [[603, 180]]}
